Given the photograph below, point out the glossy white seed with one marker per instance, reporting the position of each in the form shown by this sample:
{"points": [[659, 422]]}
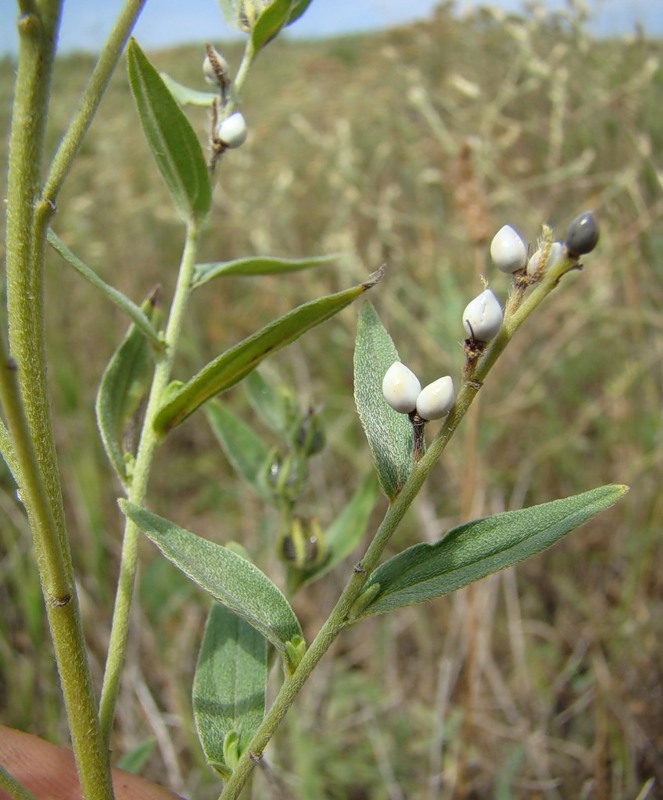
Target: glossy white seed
{"points": [[401, 388], [232, 130], [508, 251], [436, 399], [482, 317], [535, 266]]}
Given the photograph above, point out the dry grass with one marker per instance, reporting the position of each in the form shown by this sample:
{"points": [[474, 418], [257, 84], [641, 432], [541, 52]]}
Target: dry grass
{"points": [[411, 147]]}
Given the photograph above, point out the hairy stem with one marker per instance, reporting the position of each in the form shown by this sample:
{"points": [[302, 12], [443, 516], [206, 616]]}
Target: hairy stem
{"points": [[24, 391], [149, 440], [91, 98], [342, 613]]}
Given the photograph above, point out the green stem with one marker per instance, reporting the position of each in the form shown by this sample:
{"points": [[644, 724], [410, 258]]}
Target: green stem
{"points": [[147, 445], [25, 394], [338, 619], [341, 615], [91, 98], [238, 83]]}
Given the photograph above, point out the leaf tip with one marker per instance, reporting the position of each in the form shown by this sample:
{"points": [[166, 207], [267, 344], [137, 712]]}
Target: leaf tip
{"points": [[375, 277]]}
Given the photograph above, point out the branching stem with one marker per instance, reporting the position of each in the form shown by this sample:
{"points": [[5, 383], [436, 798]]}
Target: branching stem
{"points": [[341, 616]]}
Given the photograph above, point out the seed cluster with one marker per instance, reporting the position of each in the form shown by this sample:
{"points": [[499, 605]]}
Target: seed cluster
{"points": [[403, 392], [483, 316]]}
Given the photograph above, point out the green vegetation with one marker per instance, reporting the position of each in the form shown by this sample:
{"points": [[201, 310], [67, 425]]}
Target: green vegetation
{"points": [[409, 148]]}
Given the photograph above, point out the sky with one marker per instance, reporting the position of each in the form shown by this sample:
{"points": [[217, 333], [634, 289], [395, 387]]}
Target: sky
{"points": [[168, 22]]}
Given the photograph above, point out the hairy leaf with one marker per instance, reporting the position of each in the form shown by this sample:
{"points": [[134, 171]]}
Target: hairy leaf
{"points": [[276, 405], [171, 138], [245, 451], [389, 433], [233, 365], [479, 548], [255, 265], [187, 96], [229, 684], [124, 385], [273, 18], [226, 576], [134, 313]]}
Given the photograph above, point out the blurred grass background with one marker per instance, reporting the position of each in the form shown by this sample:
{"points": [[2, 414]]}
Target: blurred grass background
{"points": [[410, 147]]}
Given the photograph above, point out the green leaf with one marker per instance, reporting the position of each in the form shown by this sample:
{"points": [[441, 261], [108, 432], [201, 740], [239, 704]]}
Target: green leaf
{"points": [[124, 385], [389, 433], [228, 685], [227, 577], [233, 365], [135, 760], [186, 96], [245, 15], [270, 22], [298, 8], [256, 265], [275, 405], [347, 530], [479, 548], [171, 138], [245, 451], [114, 295]]}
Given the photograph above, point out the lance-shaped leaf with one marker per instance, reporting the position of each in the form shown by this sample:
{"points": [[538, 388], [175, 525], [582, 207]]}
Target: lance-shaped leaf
{"points": [[256, 265], [297, 9], [233, 365], [228, 686], [226, 576], [276, 405], [135, 313], [171, 138], [273, 18], [136, 759], [476, 549], [245, 451], [389, 433], [124, 385], [187, 96]]}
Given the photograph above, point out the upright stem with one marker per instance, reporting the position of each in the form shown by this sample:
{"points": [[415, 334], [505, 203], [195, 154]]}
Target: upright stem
{"points": [[92, 95], [25, 395], [148, 443]]}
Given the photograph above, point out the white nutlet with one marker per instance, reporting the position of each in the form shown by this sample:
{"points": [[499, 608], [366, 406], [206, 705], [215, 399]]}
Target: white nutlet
{"points": [[536, 265], [482, 317], [401, 388], [436, 399], [231, 131], [508, 251]]}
